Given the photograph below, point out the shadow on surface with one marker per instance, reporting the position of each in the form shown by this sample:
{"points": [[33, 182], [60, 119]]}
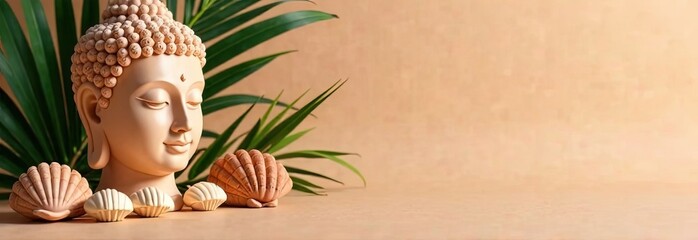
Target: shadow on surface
{"points": [[13, 217]]}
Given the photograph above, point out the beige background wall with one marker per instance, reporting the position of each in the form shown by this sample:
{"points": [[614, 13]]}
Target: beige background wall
{"points": [[506, 91], [569, 92]]}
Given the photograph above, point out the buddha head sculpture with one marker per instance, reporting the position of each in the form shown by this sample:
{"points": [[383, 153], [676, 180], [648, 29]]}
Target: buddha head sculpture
{"points": [[137, 82]]}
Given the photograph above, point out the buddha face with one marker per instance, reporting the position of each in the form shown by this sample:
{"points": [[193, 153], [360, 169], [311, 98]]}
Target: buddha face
{"points": [[153, 122]]}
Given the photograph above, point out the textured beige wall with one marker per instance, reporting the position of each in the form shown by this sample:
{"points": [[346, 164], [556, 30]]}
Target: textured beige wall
{"points": [[536, 91], [509, 91]]}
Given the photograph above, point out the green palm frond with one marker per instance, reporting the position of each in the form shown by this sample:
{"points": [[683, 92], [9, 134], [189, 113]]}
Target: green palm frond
{"points": [[39, 121]]}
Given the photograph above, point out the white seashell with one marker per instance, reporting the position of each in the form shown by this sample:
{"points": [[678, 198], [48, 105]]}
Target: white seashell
{"points": [[251, 179], [151, 202], [108, 205], [204, 196], [50, 192]]}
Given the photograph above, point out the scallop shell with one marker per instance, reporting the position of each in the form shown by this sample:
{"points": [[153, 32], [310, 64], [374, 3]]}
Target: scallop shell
{"points": [[51, 192], [204, 196], [251, 179], [151, 202], [108, 205]]}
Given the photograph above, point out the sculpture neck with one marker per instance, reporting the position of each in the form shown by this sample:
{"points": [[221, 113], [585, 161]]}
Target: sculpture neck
{"points": [[126, 180]]}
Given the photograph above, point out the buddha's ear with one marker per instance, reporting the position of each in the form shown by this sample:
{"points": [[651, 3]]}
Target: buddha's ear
{"points": [[97, 145]]}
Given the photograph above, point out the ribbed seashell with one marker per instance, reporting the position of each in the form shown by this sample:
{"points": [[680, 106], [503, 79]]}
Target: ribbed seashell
{"points": [[109, 205], [251, 179], [204, 196], [151, 202], [51, 192]]}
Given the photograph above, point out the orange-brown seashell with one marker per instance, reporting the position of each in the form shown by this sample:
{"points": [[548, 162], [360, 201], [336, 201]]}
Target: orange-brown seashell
{"points": [[50, 192], [251, 179]]}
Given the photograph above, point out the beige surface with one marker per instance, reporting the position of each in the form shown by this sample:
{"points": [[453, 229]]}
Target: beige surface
{"points": [[472, 210]]}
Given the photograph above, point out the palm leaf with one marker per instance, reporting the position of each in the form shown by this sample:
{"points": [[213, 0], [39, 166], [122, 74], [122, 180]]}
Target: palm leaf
{"points": [[22, 78], [288, 140], [47, 68], [172, 6], [211, 29], [248, 37], [90, 15], [310, 173], [219, 103], [288, 125], [14, 130], [209, 134], [10, 162], [4, 196], [6, 181], [66, 40], [316, 154], [188, 10], [305, 189], [234, 74], [298, 180], [220, 10]]}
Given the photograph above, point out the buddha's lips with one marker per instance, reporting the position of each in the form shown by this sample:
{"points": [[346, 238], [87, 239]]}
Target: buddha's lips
{"points": [[177, 147]]}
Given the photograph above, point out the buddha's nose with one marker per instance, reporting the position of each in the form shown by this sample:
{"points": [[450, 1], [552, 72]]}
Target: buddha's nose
{"points": [[180, 123], [181, 126]]}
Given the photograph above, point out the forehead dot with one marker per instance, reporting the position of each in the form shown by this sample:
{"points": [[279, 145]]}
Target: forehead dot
{"points": [[182, 78]]}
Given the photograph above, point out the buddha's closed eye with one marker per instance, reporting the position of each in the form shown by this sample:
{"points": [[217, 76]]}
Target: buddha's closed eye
{"points": [[194, 98], [154, 104]]}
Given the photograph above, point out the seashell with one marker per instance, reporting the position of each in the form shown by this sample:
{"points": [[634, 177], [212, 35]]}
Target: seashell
{"points": [[251, 179], [108, 205], [204, 196], [51, 192], [151, 202]]}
